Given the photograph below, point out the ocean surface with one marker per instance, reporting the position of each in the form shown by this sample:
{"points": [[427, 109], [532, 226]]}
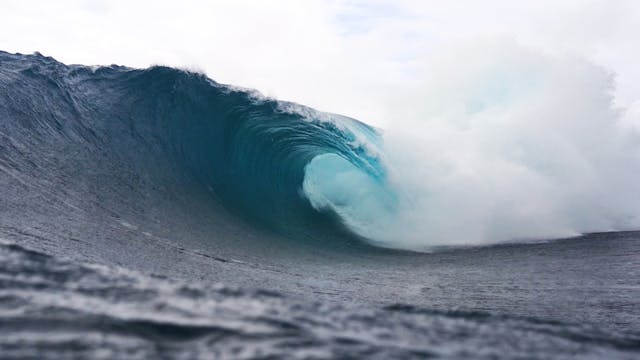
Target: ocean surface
{"points": [[154, 213]]}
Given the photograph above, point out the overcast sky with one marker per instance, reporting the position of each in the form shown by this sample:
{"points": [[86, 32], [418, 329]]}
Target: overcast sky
{"points": [[337, 55]]}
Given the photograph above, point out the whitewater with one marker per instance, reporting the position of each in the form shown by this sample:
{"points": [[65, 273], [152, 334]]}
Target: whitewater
{"points": [[155, 212]]}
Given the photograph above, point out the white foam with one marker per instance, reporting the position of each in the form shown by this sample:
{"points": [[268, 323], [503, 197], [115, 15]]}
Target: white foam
{"points": [[500, 143]]}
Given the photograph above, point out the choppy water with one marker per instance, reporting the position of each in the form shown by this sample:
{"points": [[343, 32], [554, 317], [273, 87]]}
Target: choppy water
{"points": [[52, 308]]}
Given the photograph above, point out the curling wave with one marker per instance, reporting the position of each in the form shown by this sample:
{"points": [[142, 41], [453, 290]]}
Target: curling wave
{"points": [[503, 151], [300, 172]]}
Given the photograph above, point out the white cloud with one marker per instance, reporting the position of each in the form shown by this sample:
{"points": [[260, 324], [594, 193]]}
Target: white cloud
{"points": [[338, 55]]}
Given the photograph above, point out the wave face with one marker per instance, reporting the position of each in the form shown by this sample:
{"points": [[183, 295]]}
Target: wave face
{"points": [[302, 173]]}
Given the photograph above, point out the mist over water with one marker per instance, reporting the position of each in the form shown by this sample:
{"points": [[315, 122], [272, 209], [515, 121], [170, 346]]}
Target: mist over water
{"points": [[501, 143]]}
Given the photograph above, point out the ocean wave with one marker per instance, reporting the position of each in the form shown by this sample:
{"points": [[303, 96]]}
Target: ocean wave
{"points": [[297, 171]]}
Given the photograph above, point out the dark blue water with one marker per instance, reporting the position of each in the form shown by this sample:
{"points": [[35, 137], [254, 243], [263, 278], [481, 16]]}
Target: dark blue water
{"points": [[157, 214]]}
